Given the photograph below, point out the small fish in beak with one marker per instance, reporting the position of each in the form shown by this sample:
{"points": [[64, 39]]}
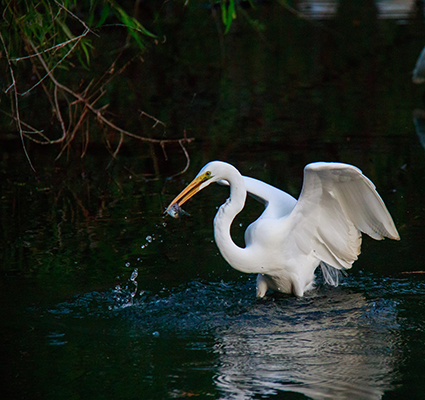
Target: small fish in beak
{"points": [[175, 211]]}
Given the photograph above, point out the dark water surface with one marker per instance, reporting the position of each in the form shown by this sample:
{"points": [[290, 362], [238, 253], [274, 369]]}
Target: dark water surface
{"points": [[103, 297]]}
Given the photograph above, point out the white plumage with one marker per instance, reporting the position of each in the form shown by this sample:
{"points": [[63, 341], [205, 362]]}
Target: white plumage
{"points": [[291, 238]]}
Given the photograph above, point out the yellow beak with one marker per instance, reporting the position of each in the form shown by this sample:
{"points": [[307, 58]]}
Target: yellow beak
{"points": [[190, 190]]}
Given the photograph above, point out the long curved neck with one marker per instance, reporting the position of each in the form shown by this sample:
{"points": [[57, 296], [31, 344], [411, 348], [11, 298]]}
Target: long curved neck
{"points": [[236, 256]]}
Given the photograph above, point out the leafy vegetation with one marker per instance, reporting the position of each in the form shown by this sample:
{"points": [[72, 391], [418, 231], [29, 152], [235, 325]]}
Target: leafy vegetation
{"points": [[41, 41], [44, 41]]}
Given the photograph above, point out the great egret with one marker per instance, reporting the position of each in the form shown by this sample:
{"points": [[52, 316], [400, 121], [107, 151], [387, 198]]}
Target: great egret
{"points": [[291, 238]]}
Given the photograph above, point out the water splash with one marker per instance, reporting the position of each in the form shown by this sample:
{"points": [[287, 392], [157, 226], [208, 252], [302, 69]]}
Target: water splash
{"points": [[134, 275], [341, 334], [133, 278], [123, 294], [149, 239]]}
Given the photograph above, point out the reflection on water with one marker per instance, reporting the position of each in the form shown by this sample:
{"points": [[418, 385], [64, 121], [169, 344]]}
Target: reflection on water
{"points": [[337, 346], [418, 75], [387, 9], [334, 344], [419, 121]]}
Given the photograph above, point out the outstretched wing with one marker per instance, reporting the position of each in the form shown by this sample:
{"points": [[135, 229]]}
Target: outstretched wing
{"points": [[336, 204]]}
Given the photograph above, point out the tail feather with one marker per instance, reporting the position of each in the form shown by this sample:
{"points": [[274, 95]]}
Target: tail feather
{"points": [[331, 275]]}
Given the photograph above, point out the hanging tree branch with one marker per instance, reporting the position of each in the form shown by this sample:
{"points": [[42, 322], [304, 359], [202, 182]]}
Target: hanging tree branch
{"points": [[83, 102], [16, 101]]}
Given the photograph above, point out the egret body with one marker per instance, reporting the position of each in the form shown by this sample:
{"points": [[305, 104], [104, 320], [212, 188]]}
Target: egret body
{"points": [[291, 238]]}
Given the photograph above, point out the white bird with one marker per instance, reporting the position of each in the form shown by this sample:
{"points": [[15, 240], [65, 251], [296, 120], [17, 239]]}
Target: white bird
{"points": [[291, 238]]}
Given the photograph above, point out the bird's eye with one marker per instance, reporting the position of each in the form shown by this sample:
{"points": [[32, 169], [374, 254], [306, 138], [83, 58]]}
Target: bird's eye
{"points": [[208, 173]]}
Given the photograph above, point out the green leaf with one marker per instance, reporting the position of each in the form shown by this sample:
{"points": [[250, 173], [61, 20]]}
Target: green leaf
{"points": [[224, 12], [228, 13], [85, 45], [132, 23], [232, 9], [105, 13], [65, 29]]}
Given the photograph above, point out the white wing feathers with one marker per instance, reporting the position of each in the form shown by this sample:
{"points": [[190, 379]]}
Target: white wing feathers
{"points": [[338, 202]]}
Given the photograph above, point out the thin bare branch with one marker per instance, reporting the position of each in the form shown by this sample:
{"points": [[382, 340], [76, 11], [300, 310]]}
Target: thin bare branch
{"points": [[86, 142], [157, 121], [55, 66], [74, 131], [59, 114], [15, 92], [56, 47], [119, 146], [187, 160], [88, 101], [163, 151], [73, 15], [98, 112]]}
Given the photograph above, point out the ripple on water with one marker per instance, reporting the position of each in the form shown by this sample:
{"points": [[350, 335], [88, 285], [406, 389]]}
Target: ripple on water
{"points": [[335, 343]]}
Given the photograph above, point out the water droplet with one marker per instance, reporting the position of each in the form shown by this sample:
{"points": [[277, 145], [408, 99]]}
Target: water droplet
{"points": [[164, 224], [155, 334], [241, 225], [134, 275], [142, 246], [149, 239], [127, 264]]}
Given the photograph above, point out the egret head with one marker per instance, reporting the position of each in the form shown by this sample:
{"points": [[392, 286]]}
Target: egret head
{"points": [[208, 174]]}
